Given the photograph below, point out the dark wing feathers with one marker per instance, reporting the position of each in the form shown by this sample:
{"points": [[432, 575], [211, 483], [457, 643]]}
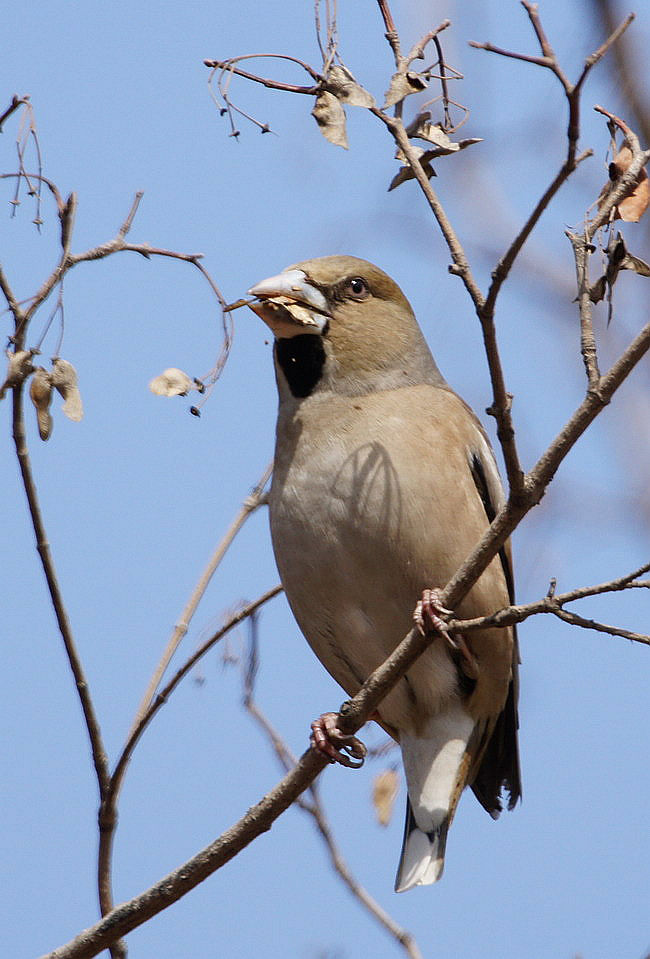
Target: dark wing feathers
{"points": [[499, 767]]}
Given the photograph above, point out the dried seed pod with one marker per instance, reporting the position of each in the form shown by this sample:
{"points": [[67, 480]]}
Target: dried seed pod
{"points": [[172, 382], [64, 379], [20, 366], [40, 391]]}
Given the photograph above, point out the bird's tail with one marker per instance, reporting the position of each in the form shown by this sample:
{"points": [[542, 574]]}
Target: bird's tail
{"points": [[437, 763]]}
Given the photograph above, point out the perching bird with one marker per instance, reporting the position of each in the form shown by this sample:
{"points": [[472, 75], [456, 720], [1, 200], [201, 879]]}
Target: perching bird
{"points": [[384, 481]]}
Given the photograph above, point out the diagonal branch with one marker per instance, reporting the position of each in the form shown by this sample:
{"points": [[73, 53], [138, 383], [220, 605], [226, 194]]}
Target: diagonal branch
{"points": [[248, 507], [316, 811]]}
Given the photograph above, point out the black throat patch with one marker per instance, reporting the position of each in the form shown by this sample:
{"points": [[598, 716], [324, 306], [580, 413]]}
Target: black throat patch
{"points": [[301, 359]]}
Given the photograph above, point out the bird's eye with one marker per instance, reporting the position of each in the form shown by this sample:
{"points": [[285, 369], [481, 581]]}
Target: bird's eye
{"points": [[357, 288]]}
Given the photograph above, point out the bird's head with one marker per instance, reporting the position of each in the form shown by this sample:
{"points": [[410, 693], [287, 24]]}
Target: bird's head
{"points": [[342, 324]]}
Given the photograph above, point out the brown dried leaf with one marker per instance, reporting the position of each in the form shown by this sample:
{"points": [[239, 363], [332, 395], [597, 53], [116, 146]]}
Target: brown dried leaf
{"points": [[340, 82], [598, 289], [20, 366], [384, 793], [64, 379], [632, 207], [172, 382], [40, 392], [406, 173], [330, 117], [403, 85], [422, 129], [635, 263], [618, 258]]}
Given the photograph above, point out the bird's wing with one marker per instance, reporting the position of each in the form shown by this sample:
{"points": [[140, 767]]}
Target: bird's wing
{"points": [[499, 767]]}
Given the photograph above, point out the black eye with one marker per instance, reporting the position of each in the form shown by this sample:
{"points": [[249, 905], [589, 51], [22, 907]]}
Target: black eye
{"points": [[357, 288]]}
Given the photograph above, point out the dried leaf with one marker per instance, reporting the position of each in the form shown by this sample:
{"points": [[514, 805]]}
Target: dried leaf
{"points": [[635, 263], [422, 129], [632, 207], [618, 258], [340, 82], [330, 117], [406, 173], [64, 379], [384, 793], [40, 392], [598, 289], [172, 382], [402, 85], [20, 366]]}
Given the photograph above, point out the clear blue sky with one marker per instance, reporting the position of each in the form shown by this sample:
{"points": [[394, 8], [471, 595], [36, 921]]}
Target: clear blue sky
{"points": [[137, 495]]}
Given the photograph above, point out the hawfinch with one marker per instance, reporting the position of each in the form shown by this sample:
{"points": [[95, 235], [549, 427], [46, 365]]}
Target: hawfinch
{"points": [[384, 481]]}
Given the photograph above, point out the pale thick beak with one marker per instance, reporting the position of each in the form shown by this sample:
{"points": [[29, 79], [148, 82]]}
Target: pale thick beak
{"points": [[290, 305]]}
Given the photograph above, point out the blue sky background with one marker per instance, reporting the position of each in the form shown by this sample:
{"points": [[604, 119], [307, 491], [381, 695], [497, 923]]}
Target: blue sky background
{"points": [[137, 495]]}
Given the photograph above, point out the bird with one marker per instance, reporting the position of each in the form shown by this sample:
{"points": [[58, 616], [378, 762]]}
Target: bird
{"points": [[383, 482]]}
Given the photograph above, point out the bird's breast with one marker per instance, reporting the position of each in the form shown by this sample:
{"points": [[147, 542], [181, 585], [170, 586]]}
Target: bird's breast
{"points": [[349, 526]]}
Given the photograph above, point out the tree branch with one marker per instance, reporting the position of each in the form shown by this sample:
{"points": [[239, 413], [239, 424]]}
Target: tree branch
{"points": [[316, 811], [248, 507], [100, 760]]}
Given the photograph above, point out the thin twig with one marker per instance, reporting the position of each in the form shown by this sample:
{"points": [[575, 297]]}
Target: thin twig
{"points": [[229, 65], [145, 712], [16, 103], [316, 810], [100, 760], [108, 810], [554, 603], [248, 507], [587, 337]]}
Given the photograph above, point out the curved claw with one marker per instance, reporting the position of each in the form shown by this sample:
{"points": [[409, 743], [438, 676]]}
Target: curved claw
{"points": [[427, 617], [337, 747], [428, 612]]}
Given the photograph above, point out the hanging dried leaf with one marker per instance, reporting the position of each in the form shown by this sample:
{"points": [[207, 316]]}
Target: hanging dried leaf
{"points": [[406, 173], [384, 793], [64, 379], [618, 258], [340, 82], [330, 117], [422, 129], [598, 289], [40, 392], [632, 207], [172, 382], [20, 366], [403, 85]]}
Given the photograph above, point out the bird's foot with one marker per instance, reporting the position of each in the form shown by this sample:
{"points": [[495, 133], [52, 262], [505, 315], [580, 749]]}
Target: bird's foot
{"points": [[428, 618], [429, 611], [336, 746]]}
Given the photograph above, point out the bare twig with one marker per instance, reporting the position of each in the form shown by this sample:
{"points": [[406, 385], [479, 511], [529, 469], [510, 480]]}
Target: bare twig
{"points": [[316, 810], [554, 603], [108, 810], [148, 708], [587, 337], [248, 507], [100, 760], [229, 66]]}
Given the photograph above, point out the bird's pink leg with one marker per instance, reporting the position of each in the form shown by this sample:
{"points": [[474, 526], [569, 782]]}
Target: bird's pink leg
{"points": [[327, 738], [427, 617]]}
